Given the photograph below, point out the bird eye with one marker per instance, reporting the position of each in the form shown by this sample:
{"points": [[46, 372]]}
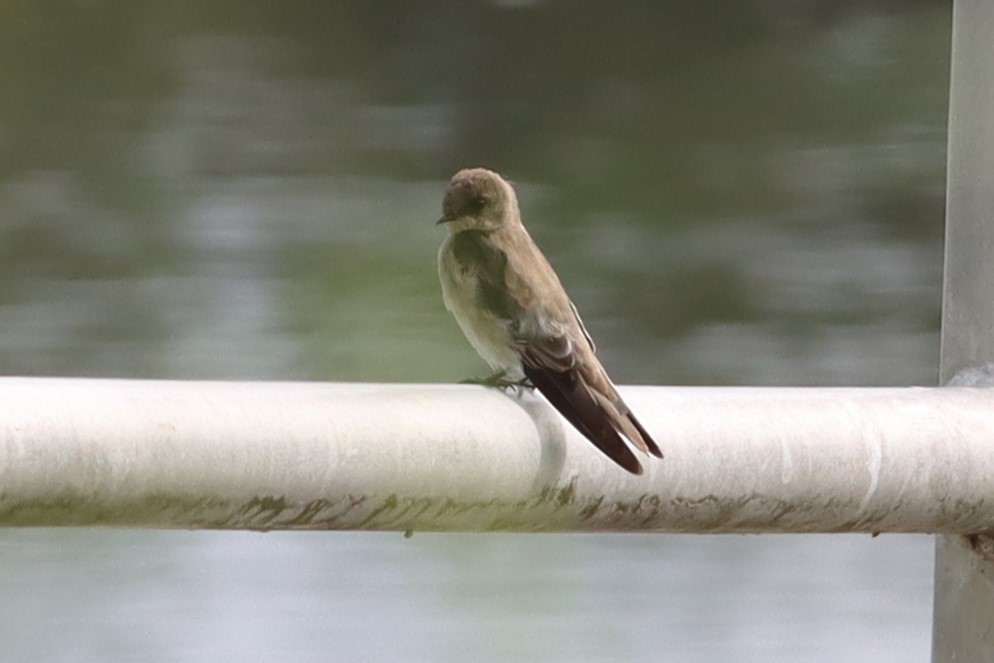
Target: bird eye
{"points": [[479, 202]]}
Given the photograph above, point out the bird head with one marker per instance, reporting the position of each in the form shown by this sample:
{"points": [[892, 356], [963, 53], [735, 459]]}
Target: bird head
{"points": [[478, 199]]}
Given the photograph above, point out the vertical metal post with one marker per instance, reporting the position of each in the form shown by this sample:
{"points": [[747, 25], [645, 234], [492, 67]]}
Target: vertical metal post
{"points": [[963, 621]]}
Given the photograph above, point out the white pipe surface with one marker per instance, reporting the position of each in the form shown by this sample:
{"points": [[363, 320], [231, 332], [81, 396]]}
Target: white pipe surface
{"points": [[435, 457]]}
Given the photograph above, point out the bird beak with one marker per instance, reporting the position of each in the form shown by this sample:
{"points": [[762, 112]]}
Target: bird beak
{"points": [[444, 219]]}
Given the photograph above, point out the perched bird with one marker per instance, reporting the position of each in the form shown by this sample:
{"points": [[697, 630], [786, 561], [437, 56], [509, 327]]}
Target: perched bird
{"points": [[514, 311]]}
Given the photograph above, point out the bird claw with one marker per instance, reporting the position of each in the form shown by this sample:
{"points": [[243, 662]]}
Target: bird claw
{"points": [[499, 381]]}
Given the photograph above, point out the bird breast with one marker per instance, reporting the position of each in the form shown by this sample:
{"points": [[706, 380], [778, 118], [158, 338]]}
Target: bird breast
{"points": [[489, 335]]}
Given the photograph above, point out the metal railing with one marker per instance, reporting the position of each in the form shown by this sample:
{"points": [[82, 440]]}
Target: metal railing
{"points": [[435, 457], [964, 566]]}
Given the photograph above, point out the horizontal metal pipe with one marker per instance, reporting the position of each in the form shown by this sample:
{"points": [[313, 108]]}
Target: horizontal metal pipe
{"points": [[438, 457]]}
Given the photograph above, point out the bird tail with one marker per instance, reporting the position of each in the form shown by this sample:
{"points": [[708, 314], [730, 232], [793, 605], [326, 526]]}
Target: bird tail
{"points": [[567, 393], [626, 423], [650, 444]]}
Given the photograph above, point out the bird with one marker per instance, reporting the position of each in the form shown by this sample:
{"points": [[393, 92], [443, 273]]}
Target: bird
{"points": [[514, 311]]}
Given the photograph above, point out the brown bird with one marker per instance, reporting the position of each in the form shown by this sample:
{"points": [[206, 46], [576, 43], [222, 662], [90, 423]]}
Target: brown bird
{"points": [[514, 311]]}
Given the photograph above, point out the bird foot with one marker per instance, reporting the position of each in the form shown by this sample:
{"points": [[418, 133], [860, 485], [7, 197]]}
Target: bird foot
{"points": [[499, 381]]}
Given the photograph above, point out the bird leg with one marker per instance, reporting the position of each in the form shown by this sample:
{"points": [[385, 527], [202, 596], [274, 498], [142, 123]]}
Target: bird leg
{"points": [[499, 380]]}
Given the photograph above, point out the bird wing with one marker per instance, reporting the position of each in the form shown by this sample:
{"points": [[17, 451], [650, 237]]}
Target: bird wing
{"points": [[583, 328], [550, 365]]}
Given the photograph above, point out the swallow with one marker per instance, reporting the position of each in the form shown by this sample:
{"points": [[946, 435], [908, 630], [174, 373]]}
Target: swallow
{"points": [[516, 314]]}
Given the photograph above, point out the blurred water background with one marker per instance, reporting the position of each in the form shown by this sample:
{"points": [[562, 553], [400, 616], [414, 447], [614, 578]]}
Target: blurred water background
{"points": [[738, 193]]}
